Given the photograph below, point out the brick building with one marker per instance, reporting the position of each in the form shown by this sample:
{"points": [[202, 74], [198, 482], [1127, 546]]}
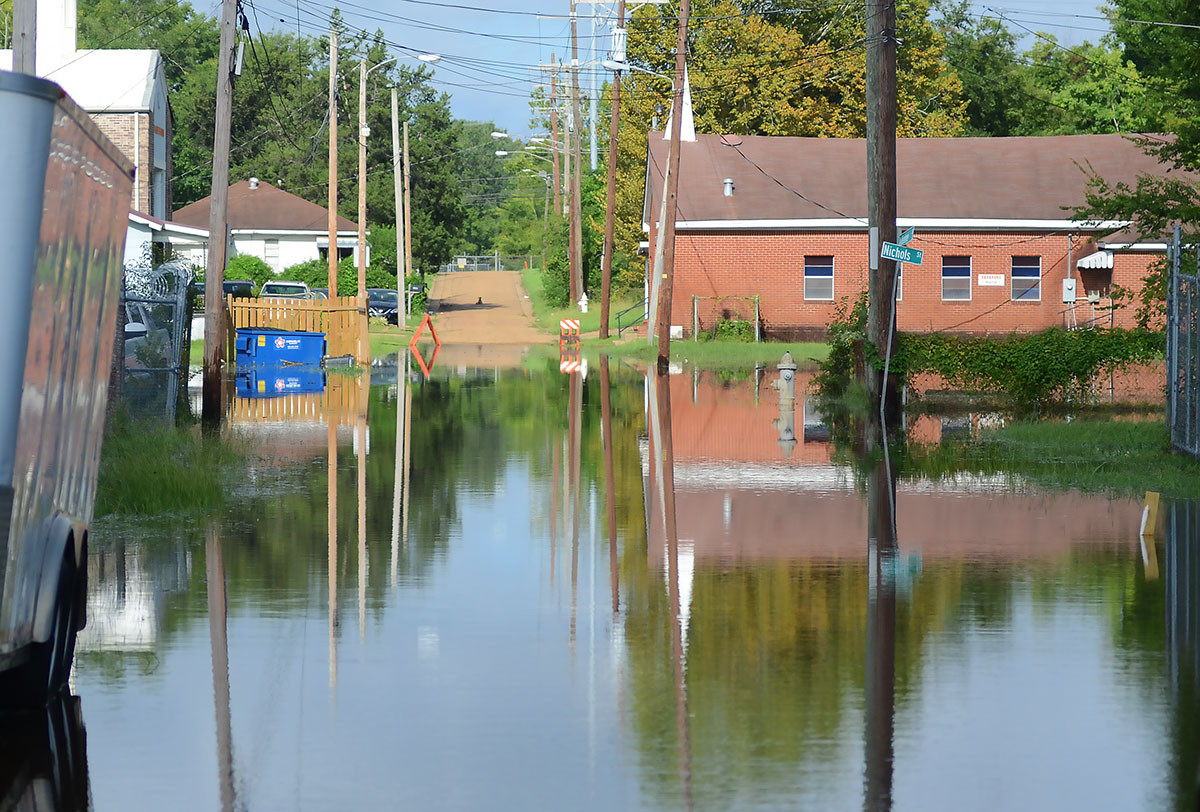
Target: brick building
{"points": [[784, 219], [125, 93]]}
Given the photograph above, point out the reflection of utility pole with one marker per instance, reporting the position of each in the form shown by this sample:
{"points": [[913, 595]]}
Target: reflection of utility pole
{"points": [[554, 512], [880, 683], [331, 502], [610, 498], [662, 385], [362, 514], [218, 638], [574, 429], [398, 492]]}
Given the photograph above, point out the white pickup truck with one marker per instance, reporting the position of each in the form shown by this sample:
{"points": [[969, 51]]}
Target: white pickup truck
{"points": [[285, 289]]}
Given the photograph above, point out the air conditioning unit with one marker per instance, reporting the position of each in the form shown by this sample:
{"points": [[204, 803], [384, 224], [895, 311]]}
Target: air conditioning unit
{"points": [[1093, 296]]}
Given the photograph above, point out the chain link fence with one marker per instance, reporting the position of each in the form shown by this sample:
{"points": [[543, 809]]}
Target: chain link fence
{"points": [[157, 338], [1183, 348], [488, 262]]}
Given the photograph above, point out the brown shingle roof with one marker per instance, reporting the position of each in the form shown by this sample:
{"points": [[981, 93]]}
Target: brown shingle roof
{"points": [[266, 208], [1028, 178]]}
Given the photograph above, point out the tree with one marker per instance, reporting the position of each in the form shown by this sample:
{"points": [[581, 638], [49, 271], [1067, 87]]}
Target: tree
{"points": [[779, 69]]}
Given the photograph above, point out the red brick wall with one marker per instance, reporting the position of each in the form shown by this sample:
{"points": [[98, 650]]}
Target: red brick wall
{"points": [[770, 264], [120, 130]]}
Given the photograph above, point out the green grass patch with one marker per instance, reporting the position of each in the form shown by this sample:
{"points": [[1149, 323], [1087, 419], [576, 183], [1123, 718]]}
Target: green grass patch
{"points": [[387, 339], [1118, 457], [546, 317], [149, 468], [716, 354]]}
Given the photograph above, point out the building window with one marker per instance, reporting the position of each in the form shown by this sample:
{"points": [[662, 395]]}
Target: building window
{"points": [[1027, 279], [956, 279], [818, 278], [271, 253], [342, 253]]}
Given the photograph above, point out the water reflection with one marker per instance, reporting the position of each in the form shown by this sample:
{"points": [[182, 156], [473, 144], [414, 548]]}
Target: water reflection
{"points": [[43, 759], [621, 591]]}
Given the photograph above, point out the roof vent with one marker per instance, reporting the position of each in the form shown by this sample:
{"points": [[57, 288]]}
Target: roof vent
{"points": [[729, 187], [253, 183]]}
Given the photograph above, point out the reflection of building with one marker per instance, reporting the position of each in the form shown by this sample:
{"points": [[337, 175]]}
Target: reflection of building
{"points": [[738, 496], [127, 594]]}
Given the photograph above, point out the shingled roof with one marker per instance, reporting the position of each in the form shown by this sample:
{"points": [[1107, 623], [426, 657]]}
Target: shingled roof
{"points": [[781, 180], [266, 208]]}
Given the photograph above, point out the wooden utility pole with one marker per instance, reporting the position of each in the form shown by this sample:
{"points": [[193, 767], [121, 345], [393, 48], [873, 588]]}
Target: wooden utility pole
{"points": [[881, 189], [333, 164], [214, 274], [24, 36], [398, 184], [667, 224], [610, 202], [408, 261], [363, 351], [576, 241], [554, 136]]}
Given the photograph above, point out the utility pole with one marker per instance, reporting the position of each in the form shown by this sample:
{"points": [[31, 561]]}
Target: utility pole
{"points": [[333, 163], [593, 99], [408, 261], [667, 225], [214, 274], [577, 160], [881, 189], [567, 177], [554, 135], [610, 203], [363, 351], [397, 183], [24, 36]]}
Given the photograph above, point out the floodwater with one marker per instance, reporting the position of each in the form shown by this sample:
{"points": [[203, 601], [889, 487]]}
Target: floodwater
{"points": [[484, 618]]}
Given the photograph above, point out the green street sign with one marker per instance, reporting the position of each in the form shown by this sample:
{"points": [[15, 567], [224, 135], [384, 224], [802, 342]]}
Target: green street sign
{"points": [[906, 236], [902, 253]]}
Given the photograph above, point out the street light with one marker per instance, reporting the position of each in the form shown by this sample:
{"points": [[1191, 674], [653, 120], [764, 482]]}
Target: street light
{"points": [[501, 153], [498, 134], [618, 67]]}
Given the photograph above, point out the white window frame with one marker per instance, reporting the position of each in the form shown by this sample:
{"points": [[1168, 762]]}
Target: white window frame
{"points": [[822, 276], [970, 271], [1037, 280]]}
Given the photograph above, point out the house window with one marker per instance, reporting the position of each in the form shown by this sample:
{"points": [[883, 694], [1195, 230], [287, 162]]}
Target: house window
{"points": [[271, 254], [1027, 279], [956, 279], [323, 252], [818, 278]]}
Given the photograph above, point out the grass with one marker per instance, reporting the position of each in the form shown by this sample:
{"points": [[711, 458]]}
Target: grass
{"points": [[1119, 457], [709, 354], [149, 468], [546, 317]]}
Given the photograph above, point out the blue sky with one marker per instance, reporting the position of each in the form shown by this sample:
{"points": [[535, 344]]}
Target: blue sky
{"points": [[487, 56]]}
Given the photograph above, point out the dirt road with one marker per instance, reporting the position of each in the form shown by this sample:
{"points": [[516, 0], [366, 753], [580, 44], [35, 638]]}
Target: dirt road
{"points": [[483, 307]]}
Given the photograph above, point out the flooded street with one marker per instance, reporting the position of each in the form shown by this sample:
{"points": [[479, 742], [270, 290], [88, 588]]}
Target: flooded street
{"points": [[483, 618]]}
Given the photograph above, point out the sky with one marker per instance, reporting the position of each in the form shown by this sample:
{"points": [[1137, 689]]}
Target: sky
{"points": [[490, 48]]}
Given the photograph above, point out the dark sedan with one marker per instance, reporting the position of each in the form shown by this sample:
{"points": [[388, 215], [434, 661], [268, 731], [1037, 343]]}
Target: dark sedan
{"points": [[383, 302]]}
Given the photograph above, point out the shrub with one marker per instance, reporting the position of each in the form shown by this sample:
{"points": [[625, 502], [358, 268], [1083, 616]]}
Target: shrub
{"points": [[248, 266]]}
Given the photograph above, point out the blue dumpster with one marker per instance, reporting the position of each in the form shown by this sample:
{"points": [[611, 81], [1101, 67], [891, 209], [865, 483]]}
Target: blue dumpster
{"points": [[272, 382], [268, 346]]}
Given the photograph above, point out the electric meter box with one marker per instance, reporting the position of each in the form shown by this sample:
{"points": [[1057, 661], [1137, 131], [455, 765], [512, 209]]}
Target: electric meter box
{"points": [[1068, 291]]}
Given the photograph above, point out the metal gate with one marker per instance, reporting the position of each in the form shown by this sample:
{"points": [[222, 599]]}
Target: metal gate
{"points": [[1183, 348]]}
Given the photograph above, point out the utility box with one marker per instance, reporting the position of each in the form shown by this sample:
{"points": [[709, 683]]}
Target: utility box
{"points": [[1068, 291], [267, 346]]}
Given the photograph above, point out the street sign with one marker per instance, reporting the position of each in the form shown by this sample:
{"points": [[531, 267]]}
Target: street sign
{"points": [[906, 236], [902, 253]]}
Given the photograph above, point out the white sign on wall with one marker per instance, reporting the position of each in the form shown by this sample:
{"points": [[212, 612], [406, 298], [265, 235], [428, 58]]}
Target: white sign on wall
{"points": [[991, 280]]}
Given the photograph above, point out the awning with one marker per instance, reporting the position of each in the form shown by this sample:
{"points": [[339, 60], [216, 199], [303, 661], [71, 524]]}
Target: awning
{"points": [[1099, 261]]}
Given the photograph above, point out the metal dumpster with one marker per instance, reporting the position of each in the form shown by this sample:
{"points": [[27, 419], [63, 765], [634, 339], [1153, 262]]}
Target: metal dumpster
{"points": [[269, 346]]}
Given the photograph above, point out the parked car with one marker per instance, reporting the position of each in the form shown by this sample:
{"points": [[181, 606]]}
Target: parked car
{"points": [[243, 288], [285, 290], [384, 303], [322, 293]]}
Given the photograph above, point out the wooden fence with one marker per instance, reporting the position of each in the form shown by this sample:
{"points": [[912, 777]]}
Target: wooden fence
{"points": [[341, 318], [342, 403]]}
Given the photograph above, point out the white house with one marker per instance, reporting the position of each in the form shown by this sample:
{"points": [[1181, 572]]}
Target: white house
{"points": [[278, 227], [125, 93]]}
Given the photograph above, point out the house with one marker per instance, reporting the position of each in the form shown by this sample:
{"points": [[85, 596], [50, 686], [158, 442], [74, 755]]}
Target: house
{"points": [[785, 219], [276, 226], [124, 92]]}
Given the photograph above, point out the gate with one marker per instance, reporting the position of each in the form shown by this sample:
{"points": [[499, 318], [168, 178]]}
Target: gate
{"points": [[1183, 348], [340, 318]]}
